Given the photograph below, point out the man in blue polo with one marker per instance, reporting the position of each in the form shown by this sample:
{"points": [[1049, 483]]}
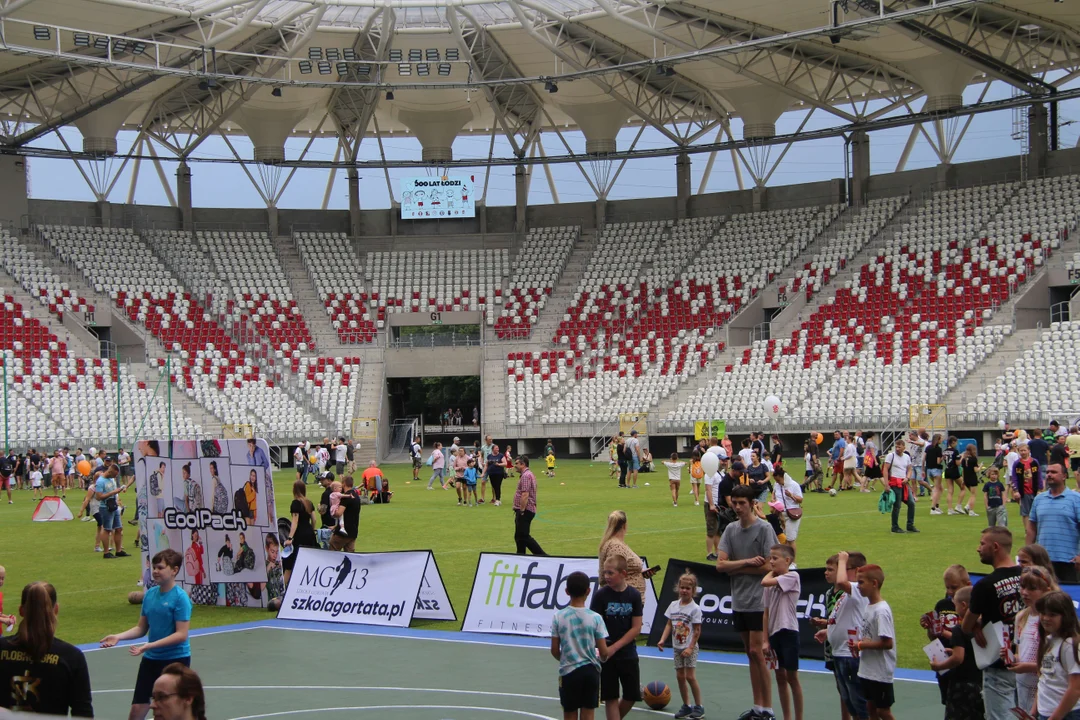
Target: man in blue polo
{"points": [[1055, 524]]}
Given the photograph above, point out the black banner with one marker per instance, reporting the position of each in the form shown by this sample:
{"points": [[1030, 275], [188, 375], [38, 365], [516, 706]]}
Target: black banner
{"points": [[718, 620]]}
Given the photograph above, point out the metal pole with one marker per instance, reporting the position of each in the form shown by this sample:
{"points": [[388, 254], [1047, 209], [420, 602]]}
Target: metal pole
{"points": [[6, 445], [168, 391], [119, 385]]}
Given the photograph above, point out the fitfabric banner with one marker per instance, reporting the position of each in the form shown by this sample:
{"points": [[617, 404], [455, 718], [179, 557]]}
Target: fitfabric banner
{"points": [[355, 588], [213, 502], [432, 603], [718, 620], [518, 594], [423, 198]]}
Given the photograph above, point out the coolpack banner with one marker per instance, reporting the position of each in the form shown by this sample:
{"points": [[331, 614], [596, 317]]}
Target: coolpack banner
{"points": [[518, 594], [432, 603], [424, 198], [355, 588], [213, 502], [718, 620]]}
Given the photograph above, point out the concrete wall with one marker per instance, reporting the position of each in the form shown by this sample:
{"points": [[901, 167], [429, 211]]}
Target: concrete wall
{"points": [[1033, 307], [434, 362], [14, 205], [448, 318]]}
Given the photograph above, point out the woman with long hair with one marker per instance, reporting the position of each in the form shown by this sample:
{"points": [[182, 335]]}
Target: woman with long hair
{"points": [[1058, 693], [1035, 555], [57, 687], [969, 462], [193, 494], [178, 694], [302, 530], [614, 543], [495, 473], [251, 494]]}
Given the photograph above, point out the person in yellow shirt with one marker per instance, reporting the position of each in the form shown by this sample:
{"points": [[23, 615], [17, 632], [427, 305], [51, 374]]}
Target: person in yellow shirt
{"points": [[550, 460]]}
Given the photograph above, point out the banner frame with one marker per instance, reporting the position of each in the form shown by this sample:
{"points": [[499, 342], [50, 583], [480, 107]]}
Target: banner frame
{"points": [[449, 600]]}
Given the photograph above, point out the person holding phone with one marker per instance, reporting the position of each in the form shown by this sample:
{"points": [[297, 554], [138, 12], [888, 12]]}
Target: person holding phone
{"points": [[614, 543]]}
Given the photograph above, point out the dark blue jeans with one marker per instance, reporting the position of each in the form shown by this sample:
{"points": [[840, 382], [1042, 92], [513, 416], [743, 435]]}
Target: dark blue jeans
{"points": [[898, 500]]}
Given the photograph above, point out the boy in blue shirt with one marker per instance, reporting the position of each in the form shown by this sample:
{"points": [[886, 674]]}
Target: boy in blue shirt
{"points": [[471, 476], [166, 616], [578, 642]]}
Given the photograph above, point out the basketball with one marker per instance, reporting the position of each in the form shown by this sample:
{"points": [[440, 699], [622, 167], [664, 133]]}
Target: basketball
{"points": [[657, 695], [84, 468]]}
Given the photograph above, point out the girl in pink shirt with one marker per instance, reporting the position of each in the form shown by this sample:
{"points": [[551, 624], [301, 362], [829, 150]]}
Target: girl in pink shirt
{"points": [[460, 463]]}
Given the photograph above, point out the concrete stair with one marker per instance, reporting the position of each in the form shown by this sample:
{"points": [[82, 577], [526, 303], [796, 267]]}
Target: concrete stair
{"points": [[493, 390], [695, 383], [81, 346], [368, 400], [997, 364], [307, 297], [563, 294]]}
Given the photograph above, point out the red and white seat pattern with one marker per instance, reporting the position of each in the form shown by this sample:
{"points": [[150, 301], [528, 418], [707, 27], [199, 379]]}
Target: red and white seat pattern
{"points": [[436, 281], [531, 377], [208, 364], [261, 296], [334, 268], [38, 279], [909, 326], [860, 227], [192, 266], [537, 269], [331, 383]]}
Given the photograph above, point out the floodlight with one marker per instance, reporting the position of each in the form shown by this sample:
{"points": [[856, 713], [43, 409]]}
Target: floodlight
{"points": [[350, 55], [101, 42], [431, 55], [42, 33], [423, 69], [404, 69], [395, 55], [343, 68], [444, 69], [305, 67], [363, 69], [333, 54], [120, 46], [451, 54], [415, 55], [82, 40], [324, 67], [138, 48], [314, 53]]}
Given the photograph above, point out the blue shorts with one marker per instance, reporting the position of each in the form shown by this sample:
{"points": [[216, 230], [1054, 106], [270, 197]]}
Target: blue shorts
{"points": [[635, 464], [111, 520], [846, 674], [932, 473]]}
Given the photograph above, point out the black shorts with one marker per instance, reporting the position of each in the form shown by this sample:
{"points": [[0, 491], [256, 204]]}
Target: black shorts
{"points": [[149, 672], [971, 482], [340, 467], [878, 694], [580, 689], [785, 645], [749, 621], [1075, 464], [97, 516], [621, 670]]}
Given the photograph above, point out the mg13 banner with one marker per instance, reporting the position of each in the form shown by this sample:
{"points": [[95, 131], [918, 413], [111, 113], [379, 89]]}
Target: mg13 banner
{"points": [[355, 588], [213, 502], [718, 620], [424, 198], [518, 595]]}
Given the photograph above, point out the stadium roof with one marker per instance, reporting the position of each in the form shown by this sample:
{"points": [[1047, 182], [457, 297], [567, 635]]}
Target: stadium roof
{"points": [[179, 71]]}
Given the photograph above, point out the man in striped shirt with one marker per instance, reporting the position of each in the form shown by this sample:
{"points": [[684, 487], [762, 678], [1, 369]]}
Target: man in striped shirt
{"points": [[525, 508], [1054, 523]]}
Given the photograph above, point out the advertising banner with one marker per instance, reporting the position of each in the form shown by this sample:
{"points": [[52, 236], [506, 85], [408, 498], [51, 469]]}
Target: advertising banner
{"points": [[424, 198], [213, 502], [433, 603], [355, 588], [518, 595], [718, 620]]}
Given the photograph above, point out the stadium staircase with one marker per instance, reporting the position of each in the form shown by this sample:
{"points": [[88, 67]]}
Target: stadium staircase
{"points": [[307, 297], [80, 343]]}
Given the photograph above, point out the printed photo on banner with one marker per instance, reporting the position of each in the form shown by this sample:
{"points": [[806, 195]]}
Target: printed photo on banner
{"points": [[212, 502], [518, 595], [355, 588], [713, 596]]}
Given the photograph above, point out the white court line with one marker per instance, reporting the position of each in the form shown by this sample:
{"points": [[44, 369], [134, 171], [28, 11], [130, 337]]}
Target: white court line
{"points": [[450, 691], [202, 632], [397, 707]]}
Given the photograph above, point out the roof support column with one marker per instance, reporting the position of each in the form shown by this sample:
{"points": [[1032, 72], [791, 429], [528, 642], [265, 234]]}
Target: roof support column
{"points": [[272, 219], [860, 168], [521, 196], [1038, 139], [355, 223], [183, 195], [14, 205], [682, 185], [601, 212]]}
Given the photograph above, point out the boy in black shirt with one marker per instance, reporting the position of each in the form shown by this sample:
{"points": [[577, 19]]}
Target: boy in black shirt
{"points": [[621, 607], [965, 701]]}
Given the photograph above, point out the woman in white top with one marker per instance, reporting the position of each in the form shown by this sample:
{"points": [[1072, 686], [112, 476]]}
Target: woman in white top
{"points": [[789, 494], [1034, 583], [674, 476], [1058, 694]]}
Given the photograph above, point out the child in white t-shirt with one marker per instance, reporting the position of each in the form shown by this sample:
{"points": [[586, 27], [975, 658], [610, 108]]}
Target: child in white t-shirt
{"points": [[1059, 636], [35, 482], [674, 476], [876, 646], [684, 628]]}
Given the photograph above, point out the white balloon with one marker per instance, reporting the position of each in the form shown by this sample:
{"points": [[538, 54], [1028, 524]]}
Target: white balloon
{"points": [[1001, 424], [773, 407], [710, 463]]}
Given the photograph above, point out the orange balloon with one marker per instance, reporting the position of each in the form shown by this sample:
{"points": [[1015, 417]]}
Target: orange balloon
{"points": [[818, 438], [84, 468]]}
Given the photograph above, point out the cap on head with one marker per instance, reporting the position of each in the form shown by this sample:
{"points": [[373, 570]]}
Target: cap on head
{"points": [[737, 466], [633, 433]]}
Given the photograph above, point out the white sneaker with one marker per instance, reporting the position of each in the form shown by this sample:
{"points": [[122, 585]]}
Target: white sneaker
{"points": [[87, 518], [972, 513], [954, 512], [696, 502], [936, 511], [675, 504], [959, 510]]}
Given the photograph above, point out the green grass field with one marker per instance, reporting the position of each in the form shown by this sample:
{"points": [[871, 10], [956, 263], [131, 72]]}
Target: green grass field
{"points": [[573, 510]]}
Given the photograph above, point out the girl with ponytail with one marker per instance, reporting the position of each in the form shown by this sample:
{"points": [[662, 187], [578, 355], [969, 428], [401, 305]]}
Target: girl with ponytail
{"points": [[54, 679]]}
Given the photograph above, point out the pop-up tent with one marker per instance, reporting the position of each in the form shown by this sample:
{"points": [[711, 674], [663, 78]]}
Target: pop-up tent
{"points": [[52, 509]]}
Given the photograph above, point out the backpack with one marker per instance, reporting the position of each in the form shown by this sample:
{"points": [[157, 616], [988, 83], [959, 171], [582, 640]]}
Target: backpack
{"points": [[240, 500], [885, 504]]}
